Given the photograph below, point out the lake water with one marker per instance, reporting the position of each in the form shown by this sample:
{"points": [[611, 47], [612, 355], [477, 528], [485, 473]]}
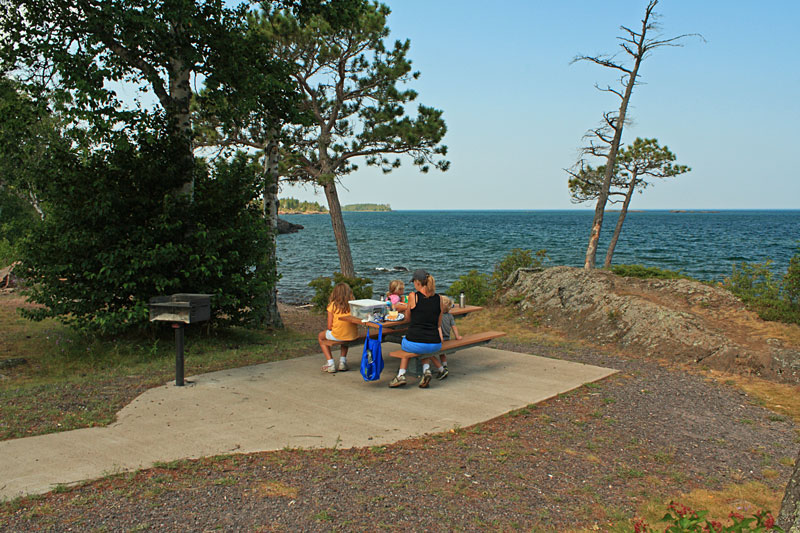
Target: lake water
{"points": [[451, 243]]}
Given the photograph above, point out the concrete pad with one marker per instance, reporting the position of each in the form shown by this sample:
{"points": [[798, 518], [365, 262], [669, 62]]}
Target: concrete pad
{"points": [[286, 404]]}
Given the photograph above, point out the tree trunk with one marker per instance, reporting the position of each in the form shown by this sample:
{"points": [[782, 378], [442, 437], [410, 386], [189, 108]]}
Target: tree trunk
{"points": [[272, 316], [599, 210], [177, 109], [339, 231], [620, 221], [789, 517]]}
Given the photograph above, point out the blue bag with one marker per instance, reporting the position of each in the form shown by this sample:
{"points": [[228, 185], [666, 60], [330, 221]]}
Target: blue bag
{"points": [[372, 359]]}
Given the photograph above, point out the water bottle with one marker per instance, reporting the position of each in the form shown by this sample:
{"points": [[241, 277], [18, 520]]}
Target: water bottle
{"points": [[462, 300]]}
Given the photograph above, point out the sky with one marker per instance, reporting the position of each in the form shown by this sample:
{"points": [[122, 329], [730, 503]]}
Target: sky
{"points": [[516, 110]]}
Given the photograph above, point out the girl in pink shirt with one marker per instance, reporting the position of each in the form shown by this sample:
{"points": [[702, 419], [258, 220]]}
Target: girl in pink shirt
{"points": [[395, 295]]}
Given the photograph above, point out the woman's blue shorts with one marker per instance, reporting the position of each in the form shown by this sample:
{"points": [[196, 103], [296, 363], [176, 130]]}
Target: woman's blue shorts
{"points": [[420, 347]]}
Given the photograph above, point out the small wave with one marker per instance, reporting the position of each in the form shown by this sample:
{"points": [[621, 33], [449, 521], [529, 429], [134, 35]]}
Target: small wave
{"points": [[392, 269]]}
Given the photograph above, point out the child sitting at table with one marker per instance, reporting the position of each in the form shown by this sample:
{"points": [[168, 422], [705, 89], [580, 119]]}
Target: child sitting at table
{"points": [[338, 330], [448, 325], [395, 295]]}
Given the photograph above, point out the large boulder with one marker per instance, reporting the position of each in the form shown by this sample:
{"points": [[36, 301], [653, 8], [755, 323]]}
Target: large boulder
{"points": [[679, 320], [284, 226]]}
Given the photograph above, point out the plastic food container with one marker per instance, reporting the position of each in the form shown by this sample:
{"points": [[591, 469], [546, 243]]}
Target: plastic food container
{"points": [[367, 308]]}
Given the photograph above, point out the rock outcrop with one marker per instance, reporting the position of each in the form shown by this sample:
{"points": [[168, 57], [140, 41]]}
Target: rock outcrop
{"points": [[284, 227], [679, 320]]}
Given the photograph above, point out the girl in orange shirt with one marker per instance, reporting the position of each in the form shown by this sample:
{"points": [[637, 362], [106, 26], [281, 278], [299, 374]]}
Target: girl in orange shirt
{"points": [[338, 330]]}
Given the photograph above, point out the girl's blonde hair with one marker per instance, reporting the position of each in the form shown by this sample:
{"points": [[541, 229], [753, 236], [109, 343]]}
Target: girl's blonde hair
{"points": [[394, 285], [340, 296], [448, 303]]}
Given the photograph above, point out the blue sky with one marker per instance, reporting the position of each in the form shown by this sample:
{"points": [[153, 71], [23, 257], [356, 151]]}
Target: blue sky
{"points": [[516, 109]]}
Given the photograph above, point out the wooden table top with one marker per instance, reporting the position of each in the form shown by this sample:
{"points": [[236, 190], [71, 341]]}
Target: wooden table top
{"points": [[455, 311]]}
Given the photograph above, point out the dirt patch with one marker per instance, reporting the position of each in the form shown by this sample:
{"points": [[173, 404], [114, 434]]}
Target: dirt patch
{"points": [[679, 320], [302, 319]]}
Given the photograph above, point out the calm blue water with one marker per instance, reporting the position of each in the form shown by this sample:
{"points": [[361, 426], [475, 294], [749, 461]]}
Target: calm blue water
{"points": [[451, 243]]}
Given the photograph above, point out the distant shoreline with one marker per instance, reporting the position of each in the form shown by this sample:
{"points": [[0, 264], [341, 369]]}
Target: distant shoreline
{"points": [[644, 211]]}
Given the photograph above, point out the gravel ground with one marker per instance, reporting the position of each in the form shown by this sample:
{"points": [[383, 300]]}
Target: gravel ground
{"points": [[585, 459]]}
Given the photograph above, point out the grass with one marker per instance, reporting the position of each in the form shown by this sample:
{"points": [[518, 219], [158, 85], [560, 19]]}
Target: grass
{"points": [[746, 498], [641, 271], [517, 325], [70, 381], [781, 398]]}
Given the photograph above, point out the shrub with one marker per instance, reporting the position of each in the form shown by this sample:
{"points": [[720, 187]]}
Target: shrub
{"points": [[517, 258], [17, 219], [362, 288], [8, 253], [772, 297], [791, 281], [681, 519], [475, 287], [641, 271], [116, 234]]}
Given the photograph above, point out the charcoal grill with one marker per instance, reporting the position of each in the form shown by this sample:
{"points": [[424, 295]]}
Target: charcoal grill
{"points": [[180, 310]]}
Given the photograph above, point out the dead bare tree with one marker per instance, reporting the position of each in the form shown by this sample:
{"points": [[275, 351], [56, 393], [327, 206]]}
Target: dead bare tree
{"points": [[638, 46]]}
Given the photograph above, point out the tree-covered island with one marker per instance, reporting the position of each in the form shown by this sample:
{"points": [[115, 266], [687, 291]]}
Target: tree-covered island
{"points": [[367, 207], [293, 206]]}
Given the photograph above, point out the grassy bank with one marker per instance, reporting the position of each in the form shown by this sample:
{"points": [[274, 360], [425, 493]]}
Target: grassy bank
{"points": [[68, 381]]}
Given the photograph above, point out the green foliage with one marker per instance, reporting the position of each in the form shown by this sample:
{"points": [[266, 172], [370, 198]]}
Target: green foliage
{"points": [[641, 271], [116, 235], [772, 297], [634, 165], [28, 137], [362, 288], [349, 77], [682, 519], [293, 204], [474, 285], [517, 258], [791, 281], [366, 207], [17, 219]]}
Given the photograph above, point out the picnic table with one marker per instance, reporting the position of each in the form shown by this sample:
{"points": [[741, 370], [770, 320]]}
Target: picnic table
{"points": [[394, 325], [394, 329]]}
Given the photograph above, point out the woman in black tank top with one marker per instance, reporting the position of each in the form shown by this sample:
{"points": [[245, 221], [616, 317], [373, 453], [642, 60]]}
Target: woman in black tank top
{"points": [[424, 331]]}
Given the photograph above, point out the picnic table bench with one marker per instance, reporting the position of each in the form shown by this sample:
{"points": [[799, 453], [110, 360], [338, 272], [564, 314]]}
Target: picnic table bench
{"points": [[361, 338], [453, 345]]}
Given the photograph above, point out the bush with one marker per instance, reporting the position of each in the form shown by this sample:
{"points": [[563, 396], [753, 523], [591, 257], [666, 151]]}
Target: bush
{"points": [[116, 234], [682, 519], [8, 253], [17, 219], [517, 258], [641, 271], [362, 288], [773, 298], [791, 281], [475, 287]]}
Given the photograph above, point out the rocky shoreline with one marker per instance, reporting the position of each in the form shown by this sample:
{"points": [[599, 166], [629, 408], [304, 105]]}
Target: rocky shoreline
{"points": [[679, 320]]}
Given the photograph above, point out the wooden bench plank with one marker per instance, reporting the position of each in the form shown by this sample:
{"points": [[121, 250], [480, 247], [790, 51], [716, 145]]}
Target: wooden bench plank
{"points": [[466, 341], [361, 338]]}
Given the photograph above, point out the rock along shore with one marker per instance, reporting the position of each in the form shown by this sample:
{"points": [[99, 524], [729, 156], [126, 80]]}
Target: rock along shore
{"points": [[681, 320]]}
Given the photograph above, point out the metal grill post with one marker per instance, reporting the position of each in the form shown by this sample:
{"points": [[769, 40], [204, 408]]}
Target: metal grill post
{"points": [[178, 327]]}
